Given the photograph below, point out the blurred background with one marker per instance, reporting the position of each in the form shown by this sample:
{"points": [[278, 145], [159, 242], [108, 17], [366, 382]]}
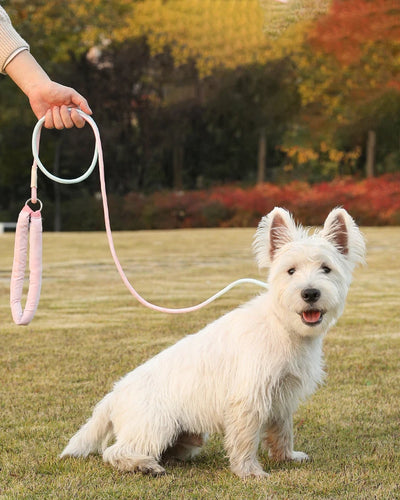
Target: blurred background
{"points": [[211, 112]]}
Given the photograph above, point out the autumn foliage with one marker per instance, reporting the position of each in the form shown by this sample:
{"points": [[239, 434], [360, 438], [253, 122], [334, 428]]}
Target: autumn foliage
{"points": [[363, 35], [193, 92], [350, 27], [371, 202], [215, 33]]}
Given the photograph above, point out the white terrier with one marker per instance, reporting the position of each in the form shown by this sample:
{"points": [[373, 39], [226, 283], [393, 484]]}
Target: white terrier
{"points": [[244, 374]]}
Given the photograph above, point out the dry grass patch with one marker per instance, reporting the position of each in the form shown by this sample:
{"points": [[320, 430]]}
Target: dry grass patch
{"points": [[89, 331]]}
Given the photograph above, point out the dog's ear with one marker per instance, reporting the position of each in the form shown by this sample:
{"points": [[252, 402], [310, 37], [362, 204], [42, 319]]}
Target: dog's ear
{"points": [[274, 230], [341, 230]]}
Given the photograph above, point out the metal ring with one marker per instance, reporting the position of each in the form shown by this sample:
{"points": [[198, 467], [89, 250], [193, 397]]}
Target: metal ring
{"points": [[37, 201]]}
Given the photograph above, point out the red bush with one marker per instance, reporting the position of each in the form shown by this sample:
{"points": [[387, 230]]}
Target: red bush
{"points": [[371, 202]]}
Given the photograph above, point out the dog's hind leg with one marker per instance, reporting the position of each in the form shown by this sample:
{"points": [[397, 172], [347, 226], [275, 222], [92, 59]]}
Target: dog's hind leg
{"points": [[278, 439], [186, 447], [125, 459], [242, 437]]}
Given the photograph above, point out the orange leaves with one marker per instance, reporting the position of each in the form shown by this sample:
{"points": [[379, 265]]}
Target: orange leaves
{"points": [[363, 35], [351, 27], [348, 59]]}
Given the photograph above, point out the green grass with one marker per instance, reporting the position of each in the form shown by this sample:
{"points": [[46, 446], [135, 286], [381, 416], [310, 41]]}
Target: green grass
{"points": [[89, 331]]}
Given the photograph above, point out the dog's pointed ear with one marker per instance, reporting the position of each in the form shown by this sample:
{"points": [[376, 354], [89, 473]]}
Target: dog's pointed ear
{"points": [[341, 230], [274, 230]]}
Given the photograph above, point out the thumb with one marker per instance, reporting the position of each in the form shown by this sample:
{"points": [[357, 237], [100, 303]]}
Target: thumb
{"points": [[81, 103]]}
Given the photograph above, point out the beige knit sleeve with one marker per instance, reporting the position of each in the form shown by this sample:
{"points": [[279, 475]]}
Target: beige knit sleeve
{"points": [[11, 43]]}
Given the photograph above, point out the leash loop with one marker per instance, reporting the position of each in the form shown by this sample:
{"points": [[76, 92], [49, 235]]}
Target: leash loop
{"points": [[37, 161]]}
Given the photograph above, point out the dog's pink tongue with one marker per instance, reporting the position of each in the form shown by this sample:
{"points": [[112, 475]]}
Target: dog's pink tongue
{"points": [[311, 316]]}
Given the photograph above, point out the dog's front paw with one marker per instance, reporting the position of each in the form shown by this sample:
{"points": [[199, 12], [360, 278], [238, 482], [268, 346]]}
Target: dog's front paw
{"points": [[154, 470], [298, 456], [249, 469]]}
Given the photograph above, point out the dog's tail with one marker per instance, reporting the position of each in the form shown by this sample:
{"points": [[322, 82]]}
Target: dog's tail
{"points": [[94, 435]]}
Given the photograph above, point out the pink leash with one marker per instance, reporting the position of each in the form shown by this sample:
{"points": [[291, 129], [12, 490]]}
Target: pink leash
{"points": [[29, 219]]}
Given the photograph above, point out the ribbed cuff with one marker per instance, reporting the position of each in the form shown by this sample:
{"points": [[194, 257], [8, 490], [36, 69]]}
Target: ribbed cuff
{"points": [[11, 43]]}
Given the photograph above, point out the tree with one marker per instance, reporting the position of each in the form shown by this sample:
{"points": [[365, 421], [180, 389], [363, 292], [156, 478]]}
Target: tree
{"points": [[347, 62], [214, 33], [353, 56], [216, 36], [354, 29], [61, 30], [246, 108]]}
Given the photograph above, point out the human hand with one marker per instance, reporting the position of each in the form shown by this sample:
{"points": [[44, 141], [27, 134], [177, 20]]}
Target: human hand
{"points": [[53, 100], [47, 98]]}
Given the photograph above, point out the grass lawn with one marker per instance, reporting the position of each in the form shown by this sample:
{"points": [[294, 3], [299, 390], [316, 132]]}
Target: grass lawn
{"points": [[89, 331]]}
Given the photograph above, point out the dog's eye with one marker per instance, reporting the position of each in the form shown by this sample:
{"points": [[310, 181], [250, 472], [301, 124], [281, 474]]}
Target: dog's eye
{"points": [[291, 271], [326, 269]]}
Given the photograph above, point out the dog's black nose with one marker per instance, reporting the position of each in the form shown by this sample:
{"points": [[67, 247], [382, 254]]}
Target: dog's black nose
{"points": [[310, 295]]}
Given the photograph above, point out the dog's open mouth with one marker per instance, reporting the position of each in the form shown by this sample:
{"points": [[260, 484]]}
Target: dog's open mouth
{"points": [[312, 317]]}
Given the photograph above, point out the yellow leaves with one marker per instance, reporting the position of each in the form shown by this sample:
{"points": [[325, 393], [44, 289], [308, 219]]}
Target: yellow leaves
{"points": [[348, 157], [215, 33], [355, 154], [326, 157], [66, 27], [299, 154], [335, 155]]}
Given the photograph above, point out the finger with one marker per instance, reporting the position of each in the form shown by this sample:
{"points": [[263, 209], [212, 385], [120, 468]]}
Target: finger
{"points": [[81, 103], [76, 118], [66, 117], [58, 121], [48, 122]]}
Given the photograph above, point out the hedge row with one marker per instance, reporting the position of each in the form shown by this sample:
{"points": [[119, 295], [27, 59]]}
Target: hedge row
{"points": [[371, 202]]}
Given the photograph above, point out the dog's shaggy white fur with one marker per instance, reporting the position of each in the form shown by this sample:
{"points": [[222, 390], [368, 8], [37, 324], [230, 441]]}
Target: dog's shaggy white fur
{"points": [[244, 374]]}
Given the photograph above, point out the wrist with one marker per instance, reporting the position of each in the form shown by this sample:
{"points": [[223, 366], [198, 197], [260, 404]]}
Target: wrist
{"points": [[25, 71]]}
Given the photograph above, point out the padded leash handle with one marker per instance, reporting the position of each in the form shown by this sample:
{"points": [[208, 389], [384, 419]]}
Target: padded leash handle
{"points": [[28, 233]]}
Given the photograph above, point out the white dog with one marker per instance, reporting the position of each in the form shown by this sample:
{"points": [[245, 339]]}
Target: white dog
{"points": [[244, 374]]}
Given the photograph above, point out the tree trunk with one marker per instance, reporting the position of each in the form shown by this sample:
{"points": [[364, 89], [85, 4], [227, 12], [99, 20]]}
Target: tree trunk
{"points": [[371, 148], [177, 166], [262, 156]]}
